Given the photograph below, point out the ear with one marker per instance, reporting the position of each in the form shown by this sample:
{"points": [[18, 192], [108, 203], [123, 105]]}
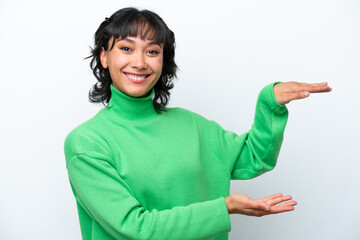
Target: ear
{"points": [[103, 57]]}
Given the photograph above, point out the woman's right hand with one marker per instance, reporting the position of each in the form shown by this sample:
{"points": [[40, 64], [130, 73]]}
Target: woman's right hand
{"points": [[242, 204]]}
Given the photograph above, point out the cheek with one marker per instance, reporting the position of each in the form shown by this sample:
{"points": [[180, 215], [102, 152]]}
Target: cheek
{"points": [[160, 64], [156, 65], [116, 64]]}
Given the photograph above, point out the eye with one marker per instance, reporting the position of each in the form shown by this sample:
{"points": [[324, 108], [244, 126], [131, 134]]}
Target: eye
{"points": [[126, 49], [153, 52]]}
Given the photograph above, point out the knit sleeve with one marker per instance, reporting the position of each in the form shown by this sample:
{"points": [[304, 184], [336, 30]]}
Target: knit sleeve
{"points": [[255, 152], [109, 200]]}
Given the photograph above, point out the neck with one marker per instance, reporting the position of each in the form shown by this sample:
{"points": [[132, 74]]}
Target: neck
{"points": [[132, 108]]}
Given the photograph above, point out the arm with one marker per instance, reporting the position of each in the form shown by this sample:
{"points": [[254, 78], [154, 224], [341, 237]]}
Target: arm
{"points": [[109, 200], [255, 152], [277, 203]]}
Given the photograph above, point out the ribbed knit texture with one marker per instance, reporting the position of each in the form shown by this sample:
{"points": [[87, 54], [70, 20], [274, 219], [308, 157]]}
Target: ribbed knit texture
{"points": [[139, 174]]}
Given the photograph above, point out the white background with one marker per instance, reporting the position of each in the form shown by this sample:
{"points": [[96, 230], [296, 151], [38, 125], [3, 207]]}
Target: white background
{"points": [[227, 51]]}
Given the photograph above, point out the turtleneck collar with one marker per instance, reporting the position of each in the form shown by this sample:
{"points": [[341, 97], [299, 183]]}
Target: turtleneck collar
{"points": [[131, 108]]}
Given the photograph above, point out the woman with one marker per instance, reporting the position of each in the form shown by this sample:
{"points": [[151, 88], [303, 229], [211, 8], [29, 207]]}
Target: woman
{"points": [[140, 170]]}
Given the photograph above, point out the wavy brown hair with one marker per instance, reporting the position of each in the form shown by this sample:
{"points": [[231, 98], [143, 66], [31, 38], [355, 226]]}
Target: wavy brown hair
{"points": [[131, 22]]}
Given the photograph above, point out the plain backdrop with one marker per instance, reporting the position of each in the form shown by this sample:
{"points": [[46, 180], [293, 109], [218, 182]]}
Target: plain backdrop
{"points": [[226, 51]]}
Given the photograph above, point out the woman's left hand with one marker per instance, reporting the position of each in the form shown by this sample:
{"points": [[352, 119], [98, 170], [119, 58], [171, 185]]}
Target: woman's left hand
{"points": [[288, 91]]}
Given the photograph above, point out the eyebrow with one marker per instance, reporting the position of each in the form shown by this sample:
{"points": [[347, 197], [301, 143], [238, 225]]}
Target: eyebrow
{"points": [[132, 41]]}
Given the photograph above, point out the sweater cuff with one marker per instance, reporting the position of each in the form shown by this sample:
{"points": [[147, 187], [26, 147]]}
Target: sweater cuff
{"points": [[269, 97], [226, 221]]}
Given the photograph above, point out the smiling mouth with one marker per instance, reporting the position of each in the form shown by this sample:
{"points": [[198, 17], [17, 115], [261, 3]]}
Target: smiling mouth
{"points": [[136, 77]]}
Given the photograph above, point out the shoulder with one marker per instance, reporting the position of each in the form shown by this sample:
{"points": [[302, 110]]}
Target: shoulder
{"points": [[87, 128], [87, 139]]}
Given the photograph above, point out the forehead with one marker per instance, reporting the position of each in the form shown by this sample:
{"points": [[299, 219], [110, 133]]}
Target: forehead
{"points": [[138, 39], [139, 28]]}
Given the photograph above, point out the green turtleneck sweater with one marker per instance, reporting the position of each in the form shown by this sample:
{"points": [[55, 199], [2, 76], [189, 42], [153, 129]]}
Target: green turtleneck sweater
{"points": [[139, 174]]}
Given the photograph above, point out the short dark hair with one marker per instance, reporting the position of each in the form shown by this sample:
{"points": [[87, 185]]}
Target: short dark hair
{"points": [[131, 22]]}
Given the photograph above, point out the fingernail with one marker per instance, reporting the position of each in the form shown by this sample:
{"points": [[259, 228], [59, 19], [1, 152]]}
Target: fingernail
{"points": [[267, 208], [306, 94]]}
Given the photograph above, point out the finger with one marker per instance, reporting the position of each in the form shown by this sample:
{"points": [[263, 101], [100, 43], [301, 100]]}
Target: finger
{"points": [[290, 203], [329, 89], [281, 209], [278, 200], [315, 88], [320, 89], [284, 207], [272, 196], [318, 84], [274, 210]]}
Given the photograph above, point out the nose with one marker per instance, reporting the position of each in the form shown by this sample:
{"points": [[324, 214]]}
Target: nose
{"points": [[138, 61]]}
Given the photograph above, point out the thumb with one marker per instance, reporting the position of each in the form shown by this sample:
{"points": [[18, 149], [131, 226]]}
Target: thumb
{"points": [[258, 204], [298, 95]]}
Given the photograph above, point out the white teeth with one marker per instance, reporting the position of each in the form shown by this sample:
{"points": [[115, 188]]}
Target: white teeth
{"points": [[136, 77]]}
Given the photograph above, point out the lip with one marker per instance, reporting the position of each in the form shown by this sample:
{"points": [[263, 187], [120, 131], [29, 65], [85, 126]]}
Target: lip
{"points": [[136, 81]]}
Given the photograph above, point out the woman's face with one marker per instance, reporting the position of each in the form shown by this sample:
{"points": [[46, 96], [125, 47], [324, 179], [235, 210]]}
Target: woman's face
{"points": [[135, 65]]}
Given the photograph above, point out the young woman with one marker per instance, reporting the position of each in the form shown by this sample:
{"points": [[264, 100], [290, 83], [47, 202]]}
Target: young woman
{"points": [[140, 170]]}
